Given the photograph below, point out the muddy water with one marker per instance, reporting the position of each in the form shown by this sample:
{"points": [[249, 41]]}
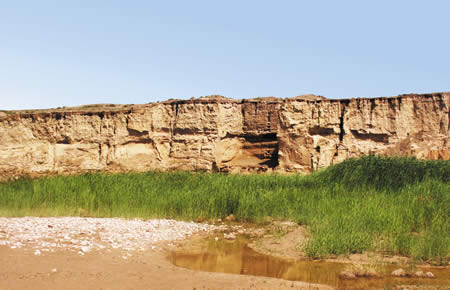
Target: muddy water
{"points": [[236, 257]]}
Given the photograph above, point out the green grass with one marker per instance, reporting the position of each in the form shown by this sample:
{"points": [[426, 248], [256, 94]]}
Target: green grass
{"points": [[396, 205]]}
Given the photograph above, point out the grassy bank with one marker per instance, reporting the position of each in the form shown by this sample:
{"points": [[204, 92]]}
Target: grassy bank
{"points": [[399, 205]]}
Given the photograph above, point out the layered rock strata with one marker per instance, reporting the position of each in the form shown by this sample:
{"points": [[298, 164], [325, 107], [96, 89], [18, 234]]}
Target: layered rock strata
{"points": [[299, 134]]}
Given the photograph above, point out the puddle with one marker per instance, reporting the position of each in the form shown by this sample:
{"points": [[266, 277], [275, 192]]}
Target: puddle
{"points": [[236, 257]]}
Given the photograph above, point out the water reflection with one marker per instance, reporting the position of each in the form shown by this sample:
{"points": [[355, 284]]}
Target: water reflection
{"points": [[236, 257]]}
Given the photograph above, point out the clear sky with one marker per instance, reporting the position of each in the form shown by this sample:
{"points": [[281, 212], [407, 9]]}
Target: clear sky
{"points": [[65, 53]]}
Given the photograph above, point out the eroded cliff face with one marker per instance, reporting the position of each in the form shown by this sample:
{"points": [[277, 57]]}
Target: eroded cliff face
{"points": [[299, 134]]}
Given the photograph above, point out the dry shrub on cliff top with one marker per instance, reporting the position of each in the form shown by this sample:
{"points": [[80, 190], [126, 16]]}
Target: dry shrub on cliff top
{"points": [[397, 205]]}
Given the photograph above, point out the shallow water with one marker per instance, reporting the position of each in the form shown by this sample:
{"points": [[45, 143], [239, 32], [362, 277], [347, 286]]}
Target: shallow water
{"points": [[236, 257]]}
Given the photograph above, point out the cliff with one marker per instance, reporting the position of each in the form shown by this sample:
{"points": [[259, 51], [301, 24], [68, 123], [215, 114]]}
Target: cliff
{"points": [[299, 134]]}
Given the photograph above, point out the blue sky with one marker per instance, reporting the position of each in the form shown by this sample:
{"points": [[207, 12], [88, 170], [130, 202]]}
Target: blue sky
{"points": [[65, 53]]}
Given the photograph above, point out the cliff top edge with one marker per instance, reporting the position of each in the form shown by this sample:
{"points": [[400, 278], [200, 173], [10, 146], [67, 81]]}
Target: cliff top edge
{"points": [[97, 108]]}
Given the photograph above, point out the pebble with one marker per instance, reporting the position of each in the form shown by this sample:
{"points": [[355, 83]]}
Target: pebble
{"points": [[85, 249], [230, 236], [230, 218], [399, 273], [419, 274], [348, 275], [83, 235]]}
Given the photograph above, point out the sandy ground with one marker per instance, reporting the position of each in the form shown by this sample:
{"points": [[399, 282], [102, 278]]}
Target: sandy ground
{"points": [[96, 256], [21, 269]]}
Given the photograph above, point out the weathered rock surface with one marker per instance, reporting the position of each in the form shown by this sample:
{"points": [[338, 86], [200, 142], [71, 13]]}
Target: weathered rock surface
{"points": [[300, 134]]}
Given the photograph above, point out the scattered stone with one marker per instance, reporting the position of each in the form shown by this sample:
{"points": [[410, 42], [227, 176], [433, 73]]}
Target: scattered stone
{"points": [[347, 275], [83, 235], [85, 249], [230, 236], [419, 274], [429, 275], [230, 218], [399, 273]]}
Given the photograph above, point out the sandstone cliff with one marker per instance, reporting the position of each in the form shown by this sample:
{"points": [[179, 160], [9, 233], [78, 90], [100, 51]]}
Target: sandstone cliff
{"points": [[299, 134]]}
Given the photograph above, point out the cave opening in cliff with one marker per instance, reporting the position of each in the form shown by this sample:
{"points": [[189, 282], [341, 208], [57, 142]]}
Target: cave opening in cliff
{"points": [[264, 147]]}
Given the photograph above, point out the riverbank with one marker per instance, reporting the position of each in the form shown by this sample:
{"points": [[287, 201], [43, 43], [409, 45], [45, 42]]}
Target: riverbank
{"points": [[92, 253], [231, 249], [395, 205], [87, 253]]}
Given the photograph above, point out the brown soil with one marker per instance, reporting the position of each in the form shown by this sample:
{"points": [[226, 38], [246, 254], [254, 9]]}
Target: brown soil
{"points": [[282, 240], [21, 269]]}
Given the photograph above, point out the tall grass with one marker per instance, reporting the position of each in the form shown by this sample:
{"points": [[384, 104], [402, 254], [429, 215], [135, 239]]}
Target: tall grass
{"points": [[396, 205]]}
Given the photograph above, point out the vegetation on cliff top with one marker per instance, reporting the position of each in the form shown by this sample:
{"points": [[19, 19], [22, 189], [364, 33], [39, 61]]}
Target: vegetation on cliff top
{"points": [[397, 205]]}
